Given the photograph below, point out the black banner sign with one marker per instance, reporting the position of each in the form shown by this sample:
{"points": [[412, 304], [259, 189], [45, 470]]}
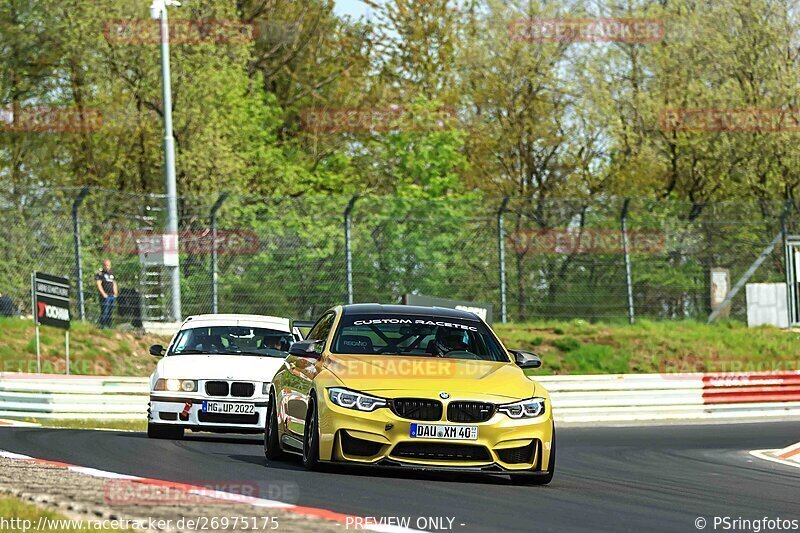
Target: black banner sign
{"points": [[51, 300]]}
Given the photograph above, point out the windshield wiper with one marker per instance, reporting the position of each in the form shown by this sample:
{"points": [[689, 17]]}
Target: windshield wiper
{"points": [[188, 351], [406, 352], [248, 352], [262, 354]]}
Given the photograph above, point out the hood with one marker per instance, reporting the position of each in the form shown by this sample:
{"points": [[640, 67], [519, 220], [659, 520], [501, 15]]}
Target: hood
{"points": [[396, 375], [217, 366]]}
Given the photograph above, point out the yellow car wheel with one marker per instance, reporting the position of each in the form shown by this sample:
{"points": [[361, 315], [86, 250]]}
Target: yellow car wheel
{"points": [[311, 437], [272, 446]]}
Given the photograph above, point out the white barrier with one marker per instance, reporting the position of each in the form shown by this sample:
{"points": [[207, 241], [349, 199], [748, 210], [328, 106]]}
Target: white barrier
{"points": [[576, 399], [75, 397]]}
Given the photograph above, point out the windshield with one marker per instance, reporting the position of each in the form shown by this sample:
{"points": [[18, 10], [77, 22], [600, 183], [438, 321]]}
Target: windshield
{"points": [[237, 340], [422, 336]]}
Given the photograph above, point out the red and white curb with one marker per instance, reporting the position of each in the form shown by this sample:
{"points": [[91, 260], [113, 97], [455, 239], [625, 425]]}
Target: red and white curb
{"points": [[789, 456], [220, 495]]}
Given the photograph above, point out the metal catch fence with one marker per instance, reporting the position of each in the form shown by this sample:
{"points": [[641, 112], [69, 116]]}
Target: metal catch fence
{"points": [[530, 258]]}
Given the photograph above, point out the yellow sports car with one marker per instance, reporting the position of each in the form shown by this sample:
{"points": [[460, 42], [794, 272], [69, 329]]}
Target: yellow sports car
{"points": [[411, 387]]}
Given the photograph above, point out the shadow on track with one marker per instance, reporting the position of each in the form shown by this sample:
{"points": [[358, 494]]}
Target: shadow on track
{"points": [[208, 437], [292, 463]]}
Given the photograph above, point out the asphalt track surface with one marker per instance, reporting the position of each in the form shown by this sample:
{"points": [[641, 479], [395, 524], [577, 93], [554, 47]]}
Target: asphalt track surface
{"points": [[608, 478]]}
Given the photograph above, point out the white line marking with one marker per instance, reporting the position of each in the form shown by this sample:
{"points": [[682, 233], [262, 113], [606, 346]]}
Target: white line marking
{"points": [[85, 470], [762, 454], [12, 455], [240, 498]]}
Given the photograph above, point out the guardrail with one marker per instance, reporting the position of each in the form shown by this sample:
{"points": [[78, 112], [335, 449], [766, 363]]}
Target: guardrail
{"points": [[72, 397], [632, 397], [579, 399]]}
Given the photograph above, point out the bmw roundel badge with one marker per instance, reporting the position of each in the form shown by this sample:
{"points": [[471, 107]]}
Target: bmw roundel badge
{"points": [[444, 395]]}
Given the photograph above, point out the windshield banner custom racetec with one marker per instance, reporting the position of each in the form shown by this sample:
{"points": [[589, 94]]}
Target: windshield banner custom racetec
{"points": [[417, 321]]}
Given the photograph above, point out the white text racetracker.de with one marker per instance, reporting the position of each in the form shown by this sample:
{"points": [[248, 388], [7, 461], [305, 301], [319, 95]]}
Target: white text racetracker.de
{"points": [[409, 321]]}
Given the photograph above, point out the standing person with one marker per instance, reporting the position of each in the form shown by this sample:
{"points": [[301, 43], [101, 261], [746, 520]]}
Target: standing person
{"points": [[107, 286]]}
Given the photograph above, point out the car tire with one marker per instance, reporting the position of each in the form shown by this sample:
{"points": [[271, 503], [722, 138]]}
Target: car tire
{"points": [[272, 445], [162, 431], [311, 437], [540, 479]]}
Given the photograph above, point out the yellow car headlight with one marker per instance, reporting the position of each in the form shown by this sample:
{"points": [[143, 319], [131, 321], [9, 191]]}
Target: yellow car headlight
{"points": [[530, 408], [355, 400], [175, 385]]}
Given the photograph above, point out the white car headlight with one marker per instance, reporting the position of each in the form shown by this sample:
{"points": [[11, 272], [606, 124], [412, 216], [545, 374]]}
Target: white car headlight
{"points": [[265, 388], [355, 400], [176, 385], [530, 408]]}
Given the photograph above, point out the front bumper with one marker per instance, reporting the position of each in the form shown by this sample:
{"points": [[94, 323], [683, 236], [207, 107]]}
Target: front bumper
{"points": [[186, 411], [494, 468], [381, 438]]}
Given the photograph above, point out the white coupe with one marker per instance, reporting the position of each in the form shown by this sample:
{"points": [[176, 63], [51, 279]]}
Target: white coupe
{"points": [[215, 374]]}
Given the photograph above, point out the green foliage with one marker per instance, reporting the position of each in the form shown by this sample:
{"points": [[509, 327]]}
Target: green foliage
{"points": [[536, 119]]}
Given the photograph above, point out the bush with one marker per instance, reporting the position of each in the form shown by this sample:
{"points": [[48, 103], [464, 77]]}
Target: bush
{"points": [[567, 344]]}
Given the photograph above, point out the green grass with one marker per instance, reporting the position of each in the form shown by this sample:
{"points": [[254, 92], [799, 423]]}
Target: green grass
{"points": [[137, 425], [92, 351], [579, 347], [566, 347], [565, 344], [15, 508]]}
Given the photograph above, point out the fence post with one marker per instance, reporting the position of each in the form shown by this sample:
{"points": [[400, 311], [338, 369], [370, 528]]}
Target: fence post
{"points": [[347, 248], [213, 215], [624, 220], [76, 236], [501, 250], [788, 261], [753, 267]]}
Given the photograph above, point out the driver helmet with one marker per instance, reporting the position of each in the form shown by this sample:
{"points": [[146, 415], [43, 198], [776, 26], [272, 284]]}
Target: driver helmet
{"points": [[448, 340]]}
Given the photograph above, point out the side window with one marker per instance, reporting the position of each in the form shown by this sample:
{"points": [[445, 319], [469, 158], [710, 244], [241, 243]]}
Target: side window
{"points": [[321, 329]]}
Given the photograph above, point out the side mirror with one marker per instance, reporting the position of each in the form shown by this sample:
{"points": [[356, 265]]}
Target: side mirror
{"points": [[157, 350], [526, 359], [311, 349]]}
